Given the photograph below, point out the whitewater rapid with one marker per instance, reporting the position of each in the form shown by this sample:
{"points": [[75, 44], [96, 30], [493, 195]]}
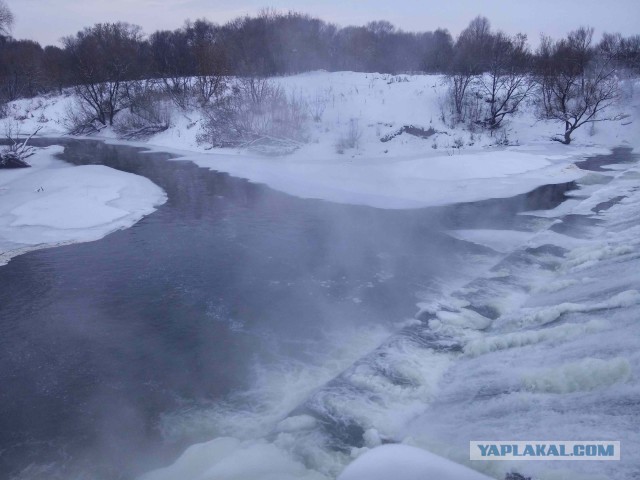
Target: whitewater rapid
{"points": [[543, 345]]}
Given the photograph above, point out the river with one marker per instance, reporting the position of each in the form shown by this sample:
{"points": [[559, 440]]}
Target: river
{"points": [[103, 345]]}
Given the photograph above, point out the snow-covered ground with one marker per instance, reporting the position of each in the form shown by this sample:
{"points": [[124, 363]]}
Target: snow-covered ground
{"points": [[407, 463], [453, 165], [54, 203], [546, 343]]}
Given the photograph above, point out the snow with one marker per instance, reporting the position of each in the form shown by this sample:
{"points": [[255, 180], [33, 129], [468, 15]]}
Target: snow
{"points": [[561, 359], [398, 183], [54, 203], [454, 165], [404, 462], [230, 459], [563, 347]]}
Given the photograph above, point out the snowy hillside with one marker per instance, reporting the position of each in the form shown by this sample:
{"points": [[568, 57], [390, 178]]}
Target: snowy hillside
{"points": [[407, 171]]}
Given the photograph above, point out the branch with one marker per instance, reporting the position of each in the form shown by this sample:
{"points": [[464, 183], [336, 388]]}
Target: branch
{"points": [[22, 148]]}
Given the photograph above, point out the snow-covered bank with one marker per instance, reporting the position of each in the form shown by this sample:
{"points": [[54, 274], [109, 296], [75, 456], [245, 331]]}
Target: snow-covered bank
{"points": [[401, 182], [54, 203], [452, 165]]}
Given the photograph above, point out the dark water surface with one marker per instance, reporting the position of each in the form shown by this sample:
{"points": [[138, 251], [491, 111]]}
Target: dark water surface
{"points": [[98, 340]]}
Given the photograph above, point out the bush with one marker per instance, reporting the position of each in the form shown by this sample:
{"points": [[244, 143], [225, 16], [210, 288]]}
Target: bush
{"points": [[81, 120], [350, 138], [318, 105], [259, 114]]}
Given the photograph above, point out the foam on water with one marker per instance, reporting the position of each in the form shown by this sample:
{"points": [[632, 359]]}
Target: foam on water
{"points": [[544, 346], [559, 361], [278, 388], [583, 375], [535, 317], [520, 339]]}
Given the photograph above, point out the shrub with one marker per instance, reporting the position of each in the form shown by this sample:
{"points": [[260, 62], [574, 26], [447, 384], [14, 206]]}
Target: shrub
{"points": [[350, 138], [259, 114], [149, 113]]}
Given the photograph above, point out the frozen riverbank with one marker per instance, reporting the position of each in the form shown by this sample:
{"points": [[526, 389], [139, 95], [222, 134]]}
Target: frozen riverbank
{"points": [[452, 165], [54, 203]]}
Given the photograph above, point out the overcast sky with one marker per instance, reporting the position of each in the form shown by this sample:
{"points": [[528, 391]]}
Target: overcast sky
{"points": [[48, 20]]}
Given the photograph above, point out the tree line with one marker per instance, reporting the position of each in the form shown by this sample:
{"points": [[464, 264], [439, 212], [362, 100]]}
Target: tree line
{"points": [[268, 44], [490, 72]]}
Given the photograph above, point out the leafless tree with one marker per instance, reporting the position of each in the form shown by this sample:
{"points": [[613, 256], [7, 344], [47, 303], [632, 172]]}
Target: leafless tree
{"points": [[578, 83], [21, 73], [6, 19], [173, 64], [260, 114], [350, 138], [506, 82], [468, 62], [209, 60], [148, 111], [16, 154], [105, 56]]}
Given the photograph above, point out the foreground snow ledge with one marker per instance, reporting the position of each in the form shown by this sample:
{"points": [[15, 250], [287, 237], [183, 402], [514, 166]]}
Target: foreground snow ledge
{"points": [[403, 462], [55, 203]]}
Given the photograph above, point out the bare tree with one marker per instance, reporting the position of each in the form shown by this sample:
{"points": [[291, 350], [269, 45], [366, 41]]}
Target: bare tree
{"points": [[257, 114], [506, 82], [578, 83], [624, 51], [209, 59], [468, 62], [173, 63], [148, 111], [105, 56], [6, 19], [16, 154], [21, 72], [438, 51]]}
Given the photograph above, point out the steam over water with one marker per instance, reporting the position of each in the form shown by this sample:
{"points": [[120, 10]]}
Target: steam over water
{"points": [[236, 311]]}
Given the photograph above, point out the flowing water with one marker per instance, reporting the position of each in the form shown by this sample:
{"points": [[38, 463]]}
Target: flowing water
{"points": [[118, 353]]}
